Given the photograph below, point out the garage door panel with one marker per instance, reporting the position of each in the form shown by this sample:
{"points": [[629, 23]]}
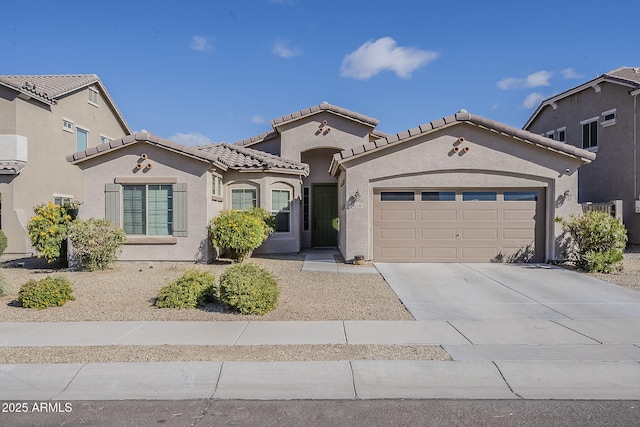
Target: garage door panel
{"points": [[519, 234], [438, 233], [480, 233], [398, 234], [398, 215], [477, 228], [479, 214], [439, 215]]}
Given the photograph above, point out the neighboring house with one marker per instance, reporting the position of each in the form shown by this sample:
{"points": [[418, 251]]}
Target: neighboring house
{"points": [[163, 194], [42, 120], [462, 188], [602, 116]]}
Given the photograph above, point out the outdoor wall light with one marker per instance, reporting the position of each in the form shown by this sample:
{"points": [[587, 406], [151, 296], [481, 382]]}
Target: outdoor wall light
{"points": [[567, 195], [356, 196]]}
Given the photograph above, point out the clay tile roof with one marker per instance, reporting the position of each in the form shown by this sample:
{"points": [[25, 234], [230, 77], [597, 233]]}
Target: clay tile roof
{"points": [[246, 158], [465, 117], [144, 137], [11, 168], [48, 88], [626, 74], [258, 138], [325, 106]]}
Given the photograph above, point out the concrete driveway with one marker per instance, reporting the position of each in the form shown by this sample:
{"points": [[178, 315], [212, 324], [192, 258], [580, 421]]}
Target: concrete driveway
{"points": [[506, 291]]}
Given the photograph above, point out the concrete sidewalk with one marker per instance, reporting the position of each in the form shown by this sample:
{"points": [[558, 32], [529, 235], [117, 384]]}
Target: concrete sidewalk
{"points": [[511, 355]]}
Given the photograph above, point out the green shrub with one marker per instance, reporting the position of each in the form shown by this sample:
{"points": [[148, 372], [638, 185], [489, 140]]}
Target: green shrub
{"points": [[3, 284], [48, 228], [599, 241], [3, 242], [193, 289], [240, 232], [249, 289], [96, 242], [52, 291]]}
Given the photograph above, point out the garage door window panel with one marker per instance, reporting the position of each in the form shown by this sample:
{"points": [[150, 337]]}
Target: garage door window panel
{"points": [[520, 196], [397, 196], [479, 196], [438, 196]]}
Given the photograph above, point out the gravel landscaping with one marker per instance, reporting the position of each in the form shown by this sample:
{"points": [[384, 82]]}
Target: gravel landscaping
{"points": [[126, 292]]}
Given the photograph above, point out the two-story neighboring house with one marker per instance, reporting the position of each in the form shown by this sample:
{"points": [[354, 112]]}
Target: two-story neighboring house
{"points": [[602, 116], [42, 120]]}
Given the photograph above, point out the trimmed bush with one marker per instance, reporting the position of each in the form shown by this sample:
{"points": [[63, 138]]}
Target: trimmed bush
{"points": [[52, 291], [240, 232], [249, 289], [3, 242], [599, 241], [195, 288], [96, 243]]}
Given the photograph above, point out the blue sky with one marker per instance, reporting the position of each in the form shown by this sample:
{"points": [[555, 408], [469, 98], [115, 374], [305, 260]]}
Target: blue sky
{"points": [[220, 70]]}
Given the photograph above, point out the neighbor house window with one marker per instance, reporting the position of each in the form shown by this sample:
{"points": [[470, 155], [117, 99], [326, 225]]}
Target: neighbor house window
{"points": [[82, 137], [105, 139], [216, 186], [62, 200], [590, 133], [550, 134], [243, 198], [609, 118], [67, 125], [562, 134], [281, 209], [148, 209], [93, 97]]}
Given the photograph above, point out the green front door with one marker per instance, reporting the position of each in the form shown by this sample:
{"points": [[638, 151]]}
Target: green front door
{"points": [[324, 200]]}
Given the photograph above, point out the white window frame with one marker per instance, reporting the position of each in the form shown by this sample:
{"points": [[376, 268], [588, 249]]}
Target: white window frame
{"points": [[107, 139], [257, 194], [63, 198], [216, 186], [582, 124], [550, 134], [93, 94], [609, 122], [82, 129], [274, 212], [561, 130], [67, 125]]}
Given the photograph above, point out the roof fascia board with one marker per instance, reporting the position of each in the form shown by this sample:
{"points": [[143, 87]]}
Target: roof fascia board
{"points": [[313, 113], [297, 172], [26, 95]]}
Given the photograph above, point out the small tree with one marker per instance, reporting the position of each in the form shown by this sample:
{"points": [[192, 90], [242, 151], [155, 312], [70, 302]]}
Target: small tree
{"points": [[598, 239], [240, 232], [96, 242], [48, 229]]}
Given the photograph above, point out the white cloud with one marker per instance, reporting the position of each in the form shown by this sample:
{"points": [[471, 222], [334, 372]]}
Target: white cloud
{"points": [[537, 79], [258, 119], [570, 73], [383, 54], [532, 100], [283, 49], [202, 44], [192, 138]]}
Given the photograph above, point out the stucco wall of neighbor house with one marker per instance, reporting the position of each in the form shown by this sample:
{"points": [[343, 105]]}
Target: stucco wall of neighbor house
{"points": [[610, 175], [306, 134], [493, 161], [264, 182], [271, 145], [121, 163], [47, 173]]}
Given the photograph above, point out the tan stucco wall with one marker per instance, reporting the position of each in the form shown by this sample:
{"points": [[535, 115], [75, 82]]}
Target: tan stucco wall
{"points": [[47, 172], [195, 173], [493, 161]]}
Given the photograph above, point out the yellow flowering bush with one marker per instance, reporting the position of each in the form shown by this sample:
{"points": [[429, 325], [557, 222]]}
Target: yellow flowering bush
{"points": [[240, 232], [48, 229]]}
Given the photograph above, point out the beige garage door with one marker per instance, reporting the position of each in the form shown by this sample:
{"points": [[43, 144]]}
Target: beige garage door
{"points": [[458, 225]]}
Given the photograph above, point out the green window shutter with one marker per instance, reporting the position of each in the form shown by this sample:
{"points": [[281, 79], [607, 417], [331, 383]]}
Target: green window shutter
{"points": [[180, 210], [112, 203]]}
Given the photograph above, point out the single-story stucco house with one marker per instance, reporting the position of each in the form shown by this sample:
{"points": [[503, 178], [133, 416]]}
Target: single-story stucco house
{"points": [[462, 188]]}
